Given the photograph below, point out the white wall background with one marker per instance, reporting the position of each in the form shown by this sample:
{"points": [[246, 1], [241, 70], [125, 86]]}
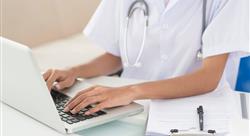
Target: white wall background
{"points": [[33, 22]]}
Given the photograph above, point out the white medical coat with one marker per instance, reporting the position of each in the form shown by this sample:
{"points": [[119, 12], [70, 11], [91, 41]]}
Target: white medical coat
{"points": [[174, 34], [174, 37]]}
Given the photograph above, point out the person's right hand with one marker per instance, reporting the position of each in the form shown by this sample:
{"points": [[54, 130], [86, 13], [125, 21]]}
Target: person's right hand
{"points": [[59, 79]]}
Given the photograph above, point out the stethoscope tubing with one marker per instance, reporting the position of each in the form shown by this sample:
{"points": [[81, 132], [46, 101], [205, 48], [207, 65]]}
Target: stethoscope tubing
{"points": [[137, 61], [132, 9]]}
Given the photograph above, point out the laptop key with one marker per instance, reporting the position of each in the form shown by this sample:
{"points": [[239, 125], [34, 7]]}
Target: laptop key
{"points": [[61, 113], [81, 112], [95, 114], [70, 117], [60, 108], [88, 116], [69, 113], [64, 119], [88, 107], [75, 120], [65, 101], [69, 122], [84, 109], [61, 104], [65, 115], [101, 112], [81, 118]]}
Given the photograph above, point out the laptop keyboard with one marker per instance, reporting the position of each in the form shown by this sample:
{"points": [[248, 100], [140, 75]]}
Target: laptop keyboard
{"points": [[61, 99]]}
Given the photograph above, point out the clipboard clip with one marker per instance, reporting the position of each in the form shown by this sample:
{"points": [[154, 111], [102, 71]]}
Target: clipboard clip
{"points": [[177, 132], [200, 112]]}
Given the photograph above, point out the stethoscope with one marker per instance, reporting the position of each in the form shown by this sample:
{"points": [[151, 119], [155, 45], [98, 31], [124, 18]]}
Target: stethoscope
{"points": [[145, 9]]}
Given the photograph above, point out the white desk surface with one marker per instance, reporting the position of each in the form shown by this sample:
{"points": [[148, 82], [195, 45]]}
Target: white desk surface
{"points": [[71, 51]]}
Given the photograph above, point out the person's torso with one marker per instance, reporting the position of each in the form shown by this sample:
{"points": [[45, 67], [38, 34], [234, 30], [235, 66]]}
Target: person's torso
{"points": [[172, 41]]}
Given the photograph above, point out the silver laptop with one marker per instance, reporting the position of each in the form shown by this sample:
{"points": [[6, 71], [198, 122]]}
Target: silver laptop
{"points": [[25, 90]]}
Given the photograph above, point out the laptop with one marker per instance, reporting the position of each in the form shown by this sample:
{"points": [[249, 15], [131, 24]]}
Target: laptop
{"points": [[25, 90]]}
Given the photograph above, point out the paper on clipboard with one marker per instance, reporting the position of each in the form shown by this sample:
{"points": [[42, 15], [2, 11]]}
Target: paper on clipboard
{"points": [[181, 114]]}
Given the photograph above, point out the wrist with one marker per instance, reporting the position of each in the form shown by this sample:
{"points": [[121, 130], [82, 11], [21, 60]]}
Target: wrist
{"points": [[74, 72], [136, 92]]}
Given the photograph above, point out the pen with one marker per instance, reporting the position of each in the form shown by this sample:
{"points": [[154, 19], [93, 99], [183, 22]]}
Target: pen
{"points": [[200, 113]]}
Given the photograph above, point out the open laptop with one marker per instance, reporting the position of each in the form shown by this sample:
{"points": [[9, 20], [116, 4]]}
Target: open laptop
{"points": [[25, 90]]}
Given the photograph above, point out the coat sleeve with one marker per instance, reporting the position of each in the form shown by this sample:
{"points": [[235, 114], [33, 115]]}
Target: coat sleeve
{"points": [[103, 28], [228, 30]]}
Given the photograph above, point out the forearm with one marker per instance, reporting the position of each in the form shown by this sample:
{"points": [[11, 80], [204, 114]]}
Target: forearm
{"points": [[184, 86], [199, 82], [103, 65]]}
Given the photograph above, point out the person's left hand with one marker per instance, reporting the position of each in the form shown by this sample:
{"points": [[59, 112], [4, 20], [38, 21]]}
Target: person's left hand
{"points": [[104, 97]]}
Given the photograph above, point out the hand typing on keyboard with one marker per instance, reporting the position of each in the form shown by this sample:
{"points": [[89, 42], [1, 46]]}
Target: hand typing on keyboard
{"points": [[61, 99], [62, 78], [106, 97]]}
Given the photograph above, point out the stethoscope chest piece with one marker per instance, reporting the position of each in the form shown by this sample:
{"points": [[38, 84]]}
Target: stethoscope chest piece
{"points": [[199, 55]]}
